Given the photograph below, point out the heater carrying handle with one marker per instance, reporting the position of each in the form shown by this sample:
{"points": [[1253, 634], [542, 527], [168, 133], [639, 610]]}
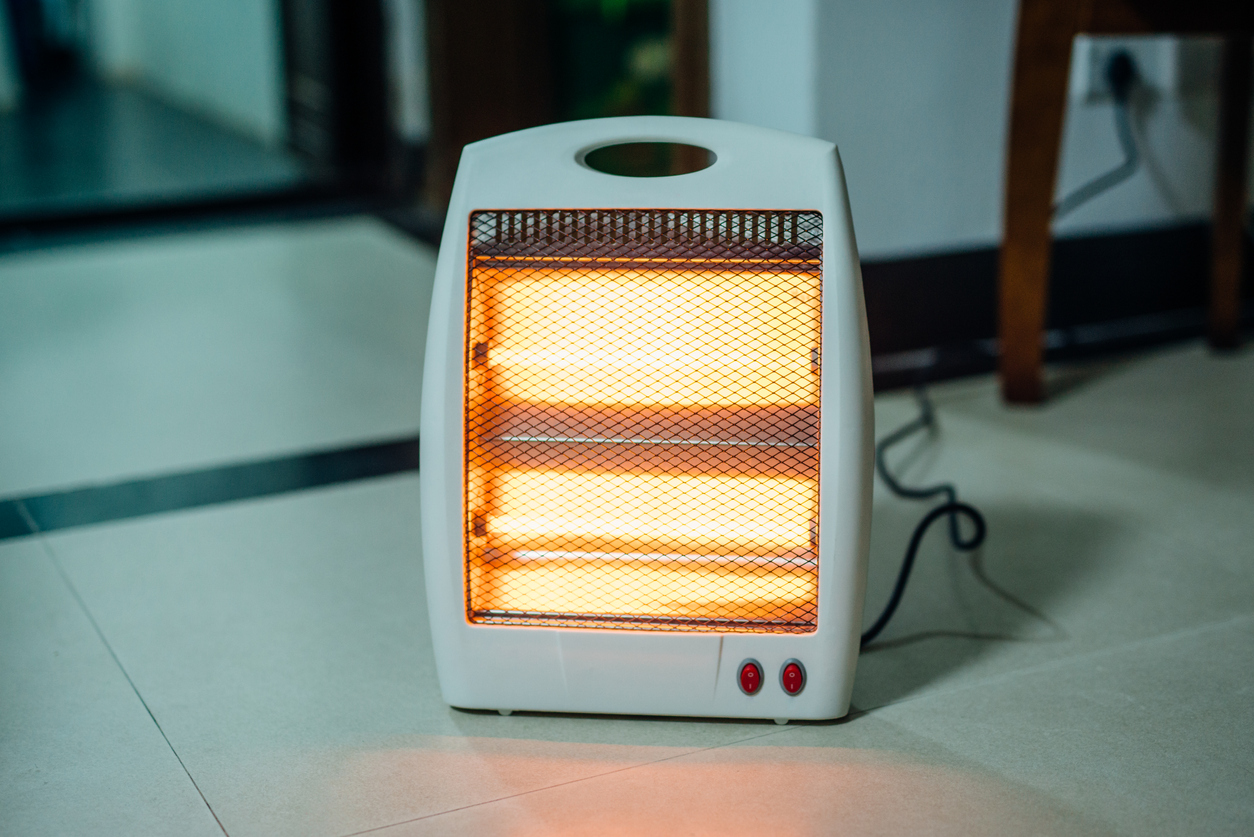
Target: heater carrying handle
{"points": [[732, 145], [710, 138], [753, 167]]}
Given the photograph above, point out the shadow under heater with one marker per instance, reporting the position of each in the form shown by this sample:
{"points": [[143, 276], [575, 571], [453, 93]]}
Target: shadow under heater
{"points": [[642, 433]]}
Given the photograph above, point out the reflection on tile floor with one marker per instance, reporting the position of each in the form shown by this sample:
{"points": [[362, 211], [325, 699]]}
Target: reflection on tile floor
{"points": [[1089, 674], [89, 146], [306, 615], [771, 790]]}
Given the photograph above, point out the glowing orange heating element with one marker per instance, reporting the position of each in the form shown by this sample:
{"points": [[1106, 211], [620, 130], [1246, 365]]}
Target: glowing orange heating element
{"points": [[642, 392]]}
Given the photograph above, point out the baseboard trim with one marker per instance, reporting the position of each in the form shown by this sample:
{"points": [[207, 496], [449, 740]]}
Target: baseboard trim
{"points": [[935, 317]]}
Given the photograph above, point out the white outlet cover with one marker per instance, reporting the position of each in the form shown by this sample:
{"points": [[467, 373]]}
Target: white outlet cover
{"points": [[1167, 65]]}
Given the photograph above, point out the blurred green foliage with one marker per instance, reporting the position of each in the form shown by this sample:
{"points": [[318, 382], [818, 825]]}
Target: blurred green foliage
{"points": [[612, 57]]}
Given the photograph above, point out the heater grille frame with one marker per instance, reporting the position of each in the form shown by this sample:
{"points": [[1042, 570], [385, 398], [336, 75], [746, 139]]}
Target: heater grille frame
{"points": [[727, 249]]}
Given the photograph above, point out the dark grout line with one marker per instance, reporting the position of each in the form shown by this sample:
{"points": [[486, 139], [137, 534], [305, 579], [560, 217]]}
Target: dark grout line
{"points": [[30, 521], [12, 523], [136, 498]]}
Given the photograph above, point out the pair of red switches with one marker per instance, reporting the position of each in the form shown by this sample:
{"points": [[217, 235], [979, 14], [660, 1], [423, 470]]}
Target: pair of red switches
{"points": [[792, 677]]}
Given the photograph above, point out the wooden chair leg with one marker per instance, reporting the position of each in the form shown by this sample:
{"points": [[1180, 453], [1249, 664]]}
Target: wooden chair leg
{"points": [[1228, 224], [1042, 60]]}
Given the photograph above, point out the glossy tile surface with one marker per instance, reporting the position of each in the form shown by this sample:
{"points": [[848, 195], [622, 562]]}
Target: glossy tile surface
{"points": [[1184, 410], [130, 358], [282, 646], [88, 146], [1088, 672], [1151, 737], [772, 789], [78, 750], [1086, 550]]}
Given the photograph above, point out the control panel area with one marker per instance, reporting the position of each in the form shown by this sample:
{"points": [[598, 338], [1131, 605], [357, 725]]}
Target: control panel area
{"points": [[792, 677]]}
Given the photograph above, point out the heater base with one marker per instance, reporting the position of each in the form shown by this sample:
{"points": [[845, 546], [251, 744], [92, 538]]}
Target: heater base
{"points": [[639, 673], [783, 722]]}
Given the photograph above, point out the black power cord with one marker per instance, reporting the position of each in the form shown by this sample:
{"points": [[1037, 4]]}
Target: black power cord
{"points": [[1121, 75], [951, 508]]}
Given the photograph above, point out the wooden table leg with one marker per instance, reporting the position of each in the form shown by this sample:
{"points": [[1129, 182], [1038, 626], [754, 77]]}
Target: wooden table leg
{"points": [[1042, 60], [1228, 223], [690, 73], [489, 72]]}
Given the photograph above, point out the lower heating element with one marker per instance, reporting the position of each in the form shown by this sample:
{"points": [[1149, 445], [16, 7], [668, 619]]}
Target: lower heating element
{"points": [[642, 419]]}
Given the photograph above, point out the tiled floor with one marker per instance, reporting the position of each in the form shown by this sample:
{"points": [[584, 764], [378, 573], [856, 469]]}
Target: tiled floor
{"points": [[130, 358], [263, 667], [87, 146]]}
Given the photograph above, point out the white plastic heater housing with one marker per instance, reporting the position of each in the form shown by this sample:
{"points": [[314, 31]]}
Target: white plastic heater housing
{"points": [[652, 672]]}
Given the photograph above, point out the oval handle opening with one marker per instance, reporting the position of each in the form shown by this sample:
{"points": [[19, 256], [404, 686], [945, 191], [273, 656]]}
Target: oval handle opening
{"points": [[648, 159]]}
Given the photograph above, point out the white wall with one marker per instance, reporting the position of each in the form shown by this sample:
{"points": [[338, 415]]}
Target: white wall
{"points": [[407, 69], [221, 58], [763, 63], [916, 94]]}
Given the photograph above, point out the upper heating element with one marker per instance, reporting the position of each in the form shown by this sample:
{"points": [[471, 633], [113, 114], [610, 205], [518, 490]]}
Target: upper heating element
{"points": [[642, 419]]}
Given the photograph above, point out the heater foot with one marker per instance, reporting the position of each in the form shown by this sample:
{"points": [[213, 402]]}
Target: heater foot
{"points": [[511, 712], [781, 721]]}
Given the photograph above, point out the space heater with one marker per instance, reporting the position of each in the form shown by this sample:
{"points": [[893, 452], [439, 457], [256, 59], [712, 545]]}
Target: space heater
{"points": [[646, 428]]}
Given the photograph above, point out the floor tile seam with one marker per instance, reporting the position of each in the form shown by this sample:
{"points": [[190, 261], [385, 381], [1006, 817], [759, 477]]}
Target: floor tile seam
{"points": [[261, 479], [363, 445], [1187, 483], [50, 554], [568, 782], [969, 761], [1130, 645], [952, 758]]}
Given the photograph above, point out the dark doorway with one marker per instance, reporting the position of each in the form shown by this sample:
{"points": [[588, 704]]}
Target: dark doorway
{"points": [[498, 66]]}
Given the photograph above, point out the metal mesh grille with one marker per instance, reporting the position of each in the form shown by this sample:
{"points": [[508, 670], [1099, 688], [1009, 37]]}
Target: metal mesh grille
{"points": [[642, 396]]}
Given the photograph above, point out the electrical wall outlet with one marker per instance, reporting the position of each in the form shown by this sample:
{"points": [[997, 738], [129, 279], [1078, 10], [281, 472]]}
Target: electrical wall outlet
{"points": [[1165, 65], [1090, 56]]}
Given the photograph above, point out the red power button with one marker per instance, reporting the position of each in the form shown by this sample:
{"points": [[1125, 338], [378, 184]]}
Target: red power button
{"points": [[792, 677], [750, 677]]}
